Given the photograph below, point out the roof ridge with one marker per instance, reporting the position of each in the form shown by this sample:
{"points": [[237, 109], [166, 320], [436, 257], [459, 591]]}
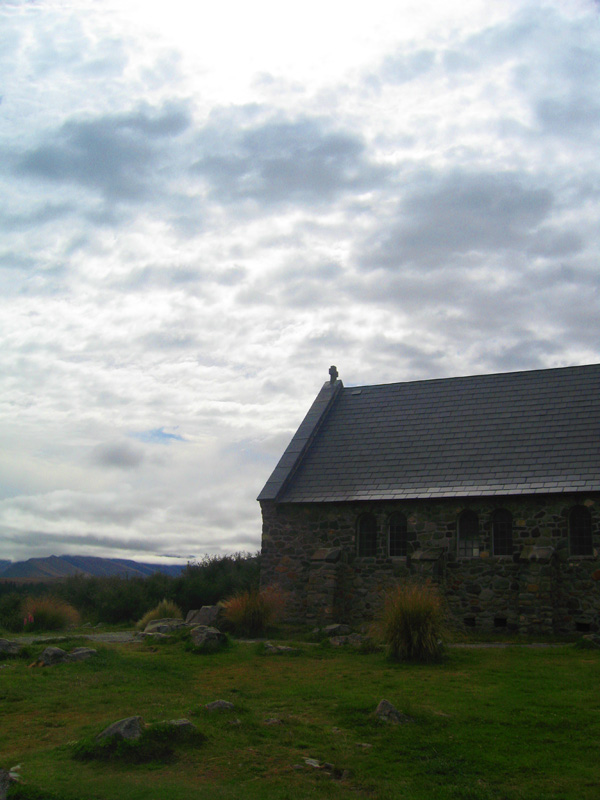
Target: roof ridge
{"points": [[477, 375]]}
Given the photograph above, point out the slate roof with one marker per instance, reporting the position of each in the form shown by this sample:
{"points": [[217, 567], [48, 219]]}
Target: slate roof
{"points": [[535, 432]]}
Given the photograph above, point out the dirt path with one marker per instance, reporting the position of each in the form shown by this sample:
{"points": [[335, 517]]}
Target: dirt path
{"points": [[114, 636]]}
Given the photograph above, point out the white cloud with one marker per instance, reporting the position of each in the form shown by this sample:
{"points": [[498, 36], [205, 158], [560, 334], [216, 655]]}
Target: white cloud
{"points": [[200, 214]]}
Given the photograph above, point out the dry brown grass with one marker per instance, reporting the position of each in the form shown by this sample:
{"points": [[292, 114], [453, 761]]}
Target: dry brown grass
{"points": [[413, 623], [48, 614], [250, 613]]}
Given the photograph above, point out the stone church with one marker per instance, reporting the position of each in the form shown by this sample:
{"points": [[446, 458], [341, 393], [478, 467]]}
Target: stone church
{"points": [[487, 485]]}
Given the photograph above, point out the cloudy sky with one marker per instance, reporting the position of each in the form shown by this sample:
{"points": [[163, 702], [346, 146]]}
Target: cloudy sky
{"points": [[201, 210]]}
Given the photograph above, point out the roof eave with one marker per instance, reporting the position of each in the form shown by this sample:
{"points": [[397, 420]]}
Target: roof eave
{"points": [[301, 441]]}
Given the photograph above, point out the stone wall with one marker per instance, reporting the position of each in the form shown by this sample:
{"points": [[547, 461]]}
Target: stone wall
{"points": [[310, 551]]}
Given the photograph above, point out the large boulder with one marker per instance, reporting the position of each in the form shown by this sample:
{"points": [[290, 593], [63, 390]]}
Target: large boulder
{"points": [[129, 728], [51, 656], [207, 638], [56, 655], [211, 616], [167, 625], [337, 629], [385, 712], [81, 653], [8, 648], [219, 705]]}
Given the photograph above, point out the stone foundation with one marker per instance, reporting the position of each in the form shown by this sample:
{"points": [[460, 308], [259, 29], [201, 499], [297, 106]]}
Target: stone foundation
{"points": [[310, 551]]}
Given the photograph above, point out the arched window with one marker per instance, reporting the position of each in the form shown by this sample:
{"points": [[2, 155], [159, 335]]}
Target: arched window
{"points": [[468, 534], [397, 539], [580, 531], [502, 532], [366, 530]]}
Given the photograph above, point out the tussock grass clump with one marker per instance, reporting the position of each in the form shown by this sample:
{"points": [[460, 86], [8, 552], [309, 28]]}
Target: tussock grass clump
{"points": [[251, 612], [166, 609], [413, 623], [157, 743], [48, 614]]}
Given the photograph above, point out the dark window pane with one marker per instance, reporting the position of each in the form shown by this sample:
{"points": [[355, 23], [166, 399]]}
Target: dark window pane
{"points": [[502, 532], [580, 531], [468, 534], [397, 535], [367, 535]]}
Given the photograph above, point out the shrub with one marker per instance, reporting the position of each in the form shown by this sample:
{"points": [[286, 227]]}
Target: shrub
{"points": [[166, 609], [214, 578], [48, 614], [11, 618], [413, 623], [251, 612]]}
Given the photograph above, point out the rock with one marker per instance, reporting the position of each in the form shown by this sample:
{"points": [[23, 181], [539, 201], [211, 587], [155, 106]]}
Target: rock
{"points": [[130, 729], [364, 745], [219, 705], [51, 656], [591, 640], [337, 630], [353, 640], [167, 625], [274, 649], [81, 653], [140, 636], [273, 721], [181, 724], [312, 762], [207, 638], [55, 655], [386, 712], [210, 616], [8, 648]]}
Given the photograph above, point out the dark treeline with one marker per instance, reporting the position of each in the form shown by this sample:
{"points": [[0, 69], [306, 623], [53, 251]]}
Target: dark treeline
{"points": [[115, 600]]}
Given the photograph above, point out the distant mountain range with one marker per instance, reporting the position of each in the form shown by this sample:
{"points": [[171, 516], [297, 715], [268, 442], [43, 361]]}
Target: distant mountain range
{"points": [[63, 566]]}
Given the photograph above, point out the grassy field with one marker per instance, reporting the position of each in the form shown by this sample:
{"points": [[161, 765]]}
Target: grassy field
{"points": [[514, 723]]}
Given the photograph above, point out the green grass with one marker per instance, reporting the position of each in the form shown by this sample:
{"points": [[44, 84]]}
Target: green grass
{"points": [[510, 723]]}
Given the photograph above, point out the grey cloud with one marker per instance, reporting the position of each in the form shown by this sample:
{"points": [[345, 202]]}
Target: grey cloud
{"points": [[38, 539], [114, 155], [189, 277], [529, 352], [555, 243], [296, 284], [569, 115], [406, 66], [44, 214], [278, 162], [122, 455], [455, 214], [87, 508]]}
